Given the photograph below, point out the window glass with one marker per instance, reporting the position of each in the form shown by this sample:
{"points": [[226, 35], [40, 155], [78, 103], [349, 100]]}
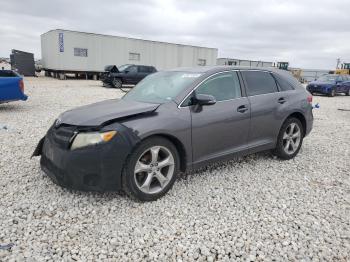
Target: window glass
{"points": [[202, 62], [80, 52], [123, 67], [224, 86], [134, 56], [259, 82], [283, 84], [7, 73], [132, 69], [161, 87], [143, 69]]}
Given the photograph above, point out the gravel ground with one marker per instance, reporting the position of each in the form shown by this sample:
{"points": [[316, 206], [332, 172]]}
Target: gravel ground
{"points": [[253, 208]]}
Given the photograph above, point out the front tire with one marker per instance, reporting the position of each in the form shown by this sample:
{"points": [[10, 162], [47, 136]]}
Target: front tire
{"points": [[290, 139], [348, 93], [332, 94], [117, 83], [151, 169]]}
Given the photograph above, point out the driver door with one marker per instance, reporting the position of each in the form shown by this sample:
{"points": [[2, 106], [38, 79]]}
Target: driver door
{"points": [[220, 129]]}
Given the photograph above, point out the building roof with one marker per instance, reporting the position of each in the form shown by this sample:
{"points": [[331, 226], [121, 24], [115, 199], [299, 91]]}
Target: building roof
{"points": [[124, 37]]}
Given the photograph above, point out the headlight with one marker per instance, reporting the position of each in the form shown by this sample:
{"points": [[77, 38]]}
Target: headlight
{"points": [[93, 138]]}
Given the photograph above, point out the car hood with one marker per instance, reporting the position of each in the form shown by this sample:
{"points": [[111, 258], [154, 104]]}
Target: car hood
{"points": [[99, 113]]}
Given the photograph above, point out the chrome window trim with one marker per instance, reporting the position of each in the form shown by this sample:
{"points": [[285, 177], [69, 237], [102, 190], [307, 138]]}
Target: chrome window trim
{"points": [[205, 79]]}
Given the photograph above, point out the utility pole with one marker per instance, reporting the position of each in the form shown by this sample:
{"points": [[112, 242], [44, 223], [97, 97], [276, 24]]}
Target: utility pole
{"points": [[338, 63]]}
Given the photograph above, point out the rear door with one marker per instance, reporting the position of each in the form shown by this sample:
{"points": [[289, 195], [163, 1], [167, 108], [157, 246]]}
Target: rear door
{"points": [[342, 87], [268, 107], [143, 72], [222, 128]]}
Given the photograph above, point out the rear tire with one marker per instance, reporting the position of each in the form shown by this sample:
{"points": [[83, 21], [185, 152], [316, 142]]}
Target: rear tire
{"points": [[332, 94], [290, 139], [117, 83], [348, 93], [151, 169]]}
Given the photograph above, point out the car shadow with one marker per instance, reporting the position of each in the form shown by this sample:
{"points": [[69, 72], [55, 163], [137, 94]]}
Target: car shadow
{"points": [[223, 164], [4, 107]]}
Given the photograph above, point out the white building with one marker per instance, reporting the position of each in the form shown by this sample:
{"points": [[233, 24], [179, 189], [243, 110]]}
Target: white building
{"points": [[242, 62], [74, 52], [5, 65]]}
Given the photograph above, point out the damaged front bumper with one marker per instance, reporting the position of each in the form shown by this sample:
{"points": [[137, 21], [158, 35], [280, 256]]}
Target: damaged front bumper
{"points": [[92, 168]]}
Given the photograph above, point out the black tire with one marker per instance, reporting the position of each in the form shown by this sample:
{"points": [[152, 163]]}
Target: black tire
{"points": [[332, 94], [348, 93], [130, 186], [117, 83], [279, 151]]}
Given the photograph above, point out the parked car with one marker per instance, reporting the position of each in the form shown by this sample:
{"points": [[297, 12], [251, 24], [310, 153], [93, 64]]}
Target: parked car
{"points": [[330, 85], [11, 86], [125, 74], [174, 121]]}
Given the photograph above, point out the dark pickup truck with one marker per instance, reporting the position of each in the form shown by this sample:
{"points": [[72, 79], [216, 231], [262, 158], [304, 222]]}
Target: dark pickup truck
{"points": [[125, 74]]}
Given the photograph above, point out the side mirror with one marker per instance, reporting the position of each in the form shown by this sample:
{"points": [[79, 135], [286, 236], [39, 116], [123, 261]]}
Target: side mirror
{"points": [[204, 100], [126, 71]]}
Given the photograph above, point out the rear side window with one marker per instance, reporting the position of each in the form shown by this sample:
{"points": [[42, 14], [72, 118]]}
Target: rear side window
{"points": [[283, 84], [132, 69], [223, 86], [259, 82], [143, 69], [345, 78], [7, 73]]}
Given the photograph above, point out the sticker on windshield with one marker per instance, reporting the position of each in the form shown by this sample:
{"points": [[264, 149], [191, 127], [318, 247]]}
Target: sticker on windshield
{"points": [[191, 75]]}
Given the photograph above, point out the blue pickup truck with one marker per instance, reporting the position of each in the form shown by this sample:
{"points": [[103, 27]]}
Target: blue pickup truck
{"points": [[11, 86]]}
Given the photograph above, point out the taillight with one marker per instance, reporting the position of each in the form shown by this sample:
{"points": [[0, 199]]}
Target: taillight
{"points": [[21, 85], [309, 99]]}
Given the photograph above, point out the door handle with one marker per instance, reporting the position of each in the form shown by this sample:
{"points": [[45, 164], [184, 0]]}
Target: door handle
{"points": [[242, 109], [282, 100]]}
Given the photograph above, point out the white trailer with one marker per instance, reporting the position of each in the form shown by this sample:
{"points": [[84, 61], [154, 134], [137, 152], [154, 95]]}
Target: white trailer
{"points": [[65, 51]]}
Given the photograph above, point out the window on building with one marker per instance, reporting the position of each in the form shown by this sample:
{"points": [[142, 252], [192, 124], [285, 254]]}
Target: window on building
{"points": [[223, 86], [80, 52], [134, 56], [202, 62], [259, 82]]}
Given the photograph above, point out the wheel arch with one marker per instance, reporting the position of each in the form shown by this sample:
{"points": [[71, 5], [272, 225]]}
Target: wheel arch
{"points": [[178, 145], [300, 117]]}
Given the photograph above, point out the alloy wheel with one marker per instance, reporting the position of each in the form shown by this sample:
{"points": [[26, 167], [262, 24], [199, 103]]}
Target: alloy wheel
{"points": [[291, 138], [154, 169], [117, 83]]}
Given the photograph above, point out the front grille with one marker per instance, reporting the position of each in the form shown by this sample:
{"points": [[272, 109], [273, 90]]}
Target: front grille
{"points": [[62, 135]]}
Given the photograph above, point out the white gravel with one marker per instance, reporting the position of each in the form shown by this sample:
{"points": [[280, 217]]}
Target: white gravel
{"points": [[254, 208]]}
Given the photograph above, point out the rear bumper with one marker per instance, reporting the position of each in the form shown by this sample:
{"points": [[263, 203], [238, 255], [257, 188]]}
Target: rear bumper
{"points": [[309, 119]]}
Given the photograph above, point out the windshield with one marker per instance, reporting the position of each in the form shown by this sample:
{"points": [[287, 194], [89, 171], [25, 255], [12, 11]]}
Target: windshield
{"points": [[161, 87], [122, 67], [328, 78]]}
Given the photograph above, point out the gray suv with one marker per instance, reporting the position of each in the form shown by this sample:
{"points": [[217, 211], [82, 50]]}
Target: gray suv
{"points": [[174, 121]]}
